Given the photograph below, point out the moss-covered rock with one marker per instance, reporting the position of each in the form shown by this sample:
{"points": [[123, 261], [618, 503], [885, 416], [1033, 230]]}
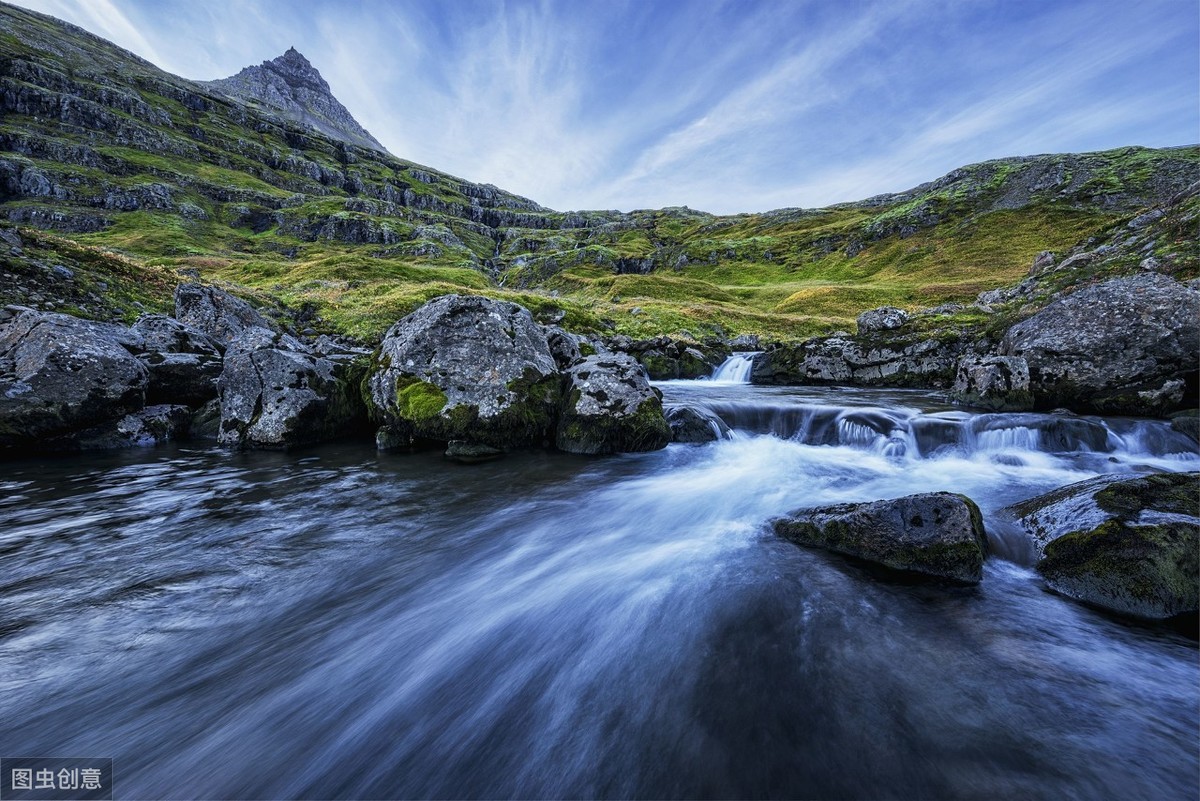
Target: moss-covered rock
{"points": [[468, 368], [610, 407], [1131, 546], [937, 534]]}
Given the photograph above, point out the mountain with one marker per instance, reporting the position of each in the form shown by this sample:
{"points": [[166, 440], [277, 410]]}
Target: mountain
{"points": [[129, 177], [291, 85]]}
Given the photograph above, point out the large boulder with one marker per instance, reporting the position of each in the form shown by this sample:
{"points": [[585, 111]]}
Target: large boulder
{"points": [[695, 425], [184, 364], [216, 313], [610, 407], [1000, 383], [885, 318], [935, 534], [1128, 545], [60, 374], [275, 393], [1125, 346], [468, 368]]}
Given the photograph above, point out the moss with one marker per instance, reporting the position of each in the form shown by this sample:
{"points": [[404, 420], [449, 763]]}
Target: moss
{"points": [[418, 400], [1174, 493]]}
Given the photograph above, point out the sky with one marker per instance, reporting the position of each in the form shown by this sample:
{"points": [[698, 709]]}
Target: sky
{"points": [[721, 105]]}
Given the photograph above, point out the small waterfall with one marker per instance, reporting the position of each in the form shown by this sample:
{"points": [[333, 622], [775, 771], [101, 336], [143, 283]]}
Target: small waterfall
{"points": [[735, 369]]}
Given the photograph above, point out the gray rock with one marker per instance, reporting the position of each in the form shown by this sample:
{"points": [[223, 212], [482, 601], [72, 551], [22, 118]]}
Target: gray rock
{"points": [[1131, 546], [60, 374], [1000, 383], [464, 367], [885, 318], [144, 428], [1101, 346], [610, 407], [934, 534], [1042, 263], [843, 360], [471, 452], [564, 346], [184, 364], [274, 395], [216, 313], [692, 425]]}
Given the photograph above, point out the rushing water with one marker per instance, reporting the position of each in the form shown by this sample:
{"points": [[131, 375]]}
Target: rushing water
{"points": [[340, 623]]}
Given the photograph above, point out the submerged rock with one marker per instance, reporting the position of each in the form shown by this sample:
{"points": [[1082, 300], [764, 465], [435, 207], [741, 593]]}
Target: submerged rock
{"points": [[275, 394], [692, 425], [1126, 346], [935, 534], [464, 367], [610, 407], [1131, 546]]}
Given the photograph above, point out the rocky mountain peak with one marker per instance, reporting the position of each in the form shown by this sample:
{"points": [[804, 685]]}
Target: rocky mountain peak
{"points": [[292, 85]]}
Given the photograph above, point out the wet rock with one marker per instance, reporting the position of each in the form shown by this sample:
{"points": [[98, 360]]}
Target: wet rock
{"points": [[1100, 347], [885, 318], [144, 428], [1187, 422], [471, 452], [610, 407], [1130, 546], [60, 374], [274, 393], [935, 534], [895, 362], [184, 364], [216, 313], [692, 425], [1000, 383], [464, 367]]}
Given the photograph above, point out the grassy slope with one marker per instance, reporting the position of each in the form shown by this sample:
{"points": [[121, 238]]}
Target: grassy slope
{"points": [[256, 221]]}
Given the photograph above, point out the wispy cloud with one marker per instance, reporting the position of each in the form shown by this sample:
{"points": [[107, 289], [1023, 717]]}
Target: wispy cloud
{"points": [[729, 106]]}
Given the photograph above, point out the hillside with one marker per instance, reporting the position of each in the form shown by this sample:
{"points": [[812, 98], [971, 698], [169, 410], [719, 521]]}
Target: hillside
{"points": [[127, 177]]}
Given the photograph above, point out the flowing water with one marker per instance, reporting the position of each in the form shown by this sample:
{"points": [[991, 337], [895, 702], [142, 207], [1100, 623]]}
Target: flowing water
{"points": [[340, 623]]}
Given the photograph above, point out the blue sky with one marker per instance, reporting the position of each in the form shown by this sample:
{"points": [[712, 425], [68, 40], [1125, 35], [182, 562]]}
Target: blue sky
{"points": [[741, 105]]}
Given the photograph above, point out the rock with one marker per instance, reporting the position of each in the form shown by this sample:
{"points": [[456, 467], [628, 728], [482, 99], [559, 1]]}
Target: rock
{"points": [[144, 428], [206, 421], [1042, 263], [692, 425], [1131, 546], [745, 343], [610, 407], [60, 374], [471, 452], [933, 534], [184, 364], [897, 362], [885, 318], [1098, 348], [999, 383], [274, 394], [1187, 422], [464, 367], [216, 313], [564, 346]]}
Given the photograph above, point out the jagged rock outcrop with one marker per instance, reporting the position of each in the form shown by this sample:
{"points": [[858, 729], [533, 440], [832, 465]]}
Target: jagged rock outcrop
{"points": [[935, 534], [276, 393], [1128, 545], [897, 362], [1125, 346], [60, 374], [216, 313], [464, 367], [610, 407], [293, 86]]}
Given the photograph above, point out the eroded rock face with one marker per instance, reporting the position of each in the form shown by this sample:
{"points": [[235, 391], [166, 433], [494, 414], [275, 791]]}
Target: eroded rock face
{"points": [[1128, 545], [468, 368], [184, 364], [841, 360], [1126, 346], [60, 374], [276, 394], [935, 534], [610, 407], [216, 313], [1000, 383]]}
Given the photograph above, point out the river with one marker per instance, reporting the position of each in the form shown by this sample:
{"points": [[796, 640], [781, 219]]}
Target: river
{"points": [[338, 623]]}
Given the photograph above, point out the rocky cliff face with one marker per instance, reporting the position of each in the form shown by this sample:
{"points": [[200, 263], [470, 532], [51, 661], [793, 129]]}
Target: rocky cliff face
{"points": [[293, 86]]}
